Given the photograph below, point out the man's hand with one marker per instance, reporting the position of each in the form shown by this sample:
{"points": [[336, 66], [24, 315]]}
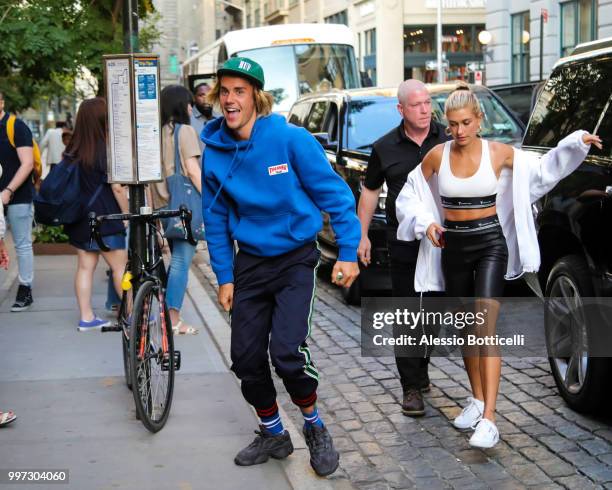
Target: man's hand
{"points": [[226, 296], [591, 139], [364, 250], [6, 196], [4, 256], [344, 273]]}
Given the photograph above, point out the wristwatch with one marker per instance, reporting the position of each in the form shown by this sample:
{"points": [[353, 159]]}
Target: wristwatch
{"points": [[11, 191]]}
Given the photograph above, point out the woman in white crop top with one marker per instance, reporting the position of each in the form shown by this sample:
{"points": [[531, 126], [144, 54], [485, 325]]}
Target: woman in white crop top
{"points": [[474, 250]]}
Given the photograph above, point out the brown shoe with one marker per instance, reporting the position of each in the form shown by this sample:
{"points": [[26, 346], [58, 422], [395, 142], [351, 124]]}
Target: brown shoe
{"points": [[413, 405]]}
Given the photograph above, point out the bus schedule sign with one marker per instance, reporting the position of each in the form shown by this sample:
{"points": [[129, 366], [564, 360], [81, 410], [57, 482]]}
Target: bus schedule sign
{"points": [[134, 127]]}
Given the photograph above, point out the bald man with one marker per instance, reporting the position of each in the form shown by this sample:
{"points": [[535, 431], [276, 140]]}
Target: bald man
{"points": [[393, 156]]}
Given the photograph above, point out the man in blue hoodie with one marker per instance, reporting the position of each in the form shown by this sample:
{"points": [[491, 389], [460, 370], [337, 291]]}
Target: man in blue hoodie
{"points": [[265, 183]]}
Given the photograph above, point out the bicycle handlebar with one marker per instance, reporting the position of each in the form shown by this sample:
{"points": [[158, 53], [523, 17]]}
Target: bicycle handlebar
{"points": [[182, 212]]}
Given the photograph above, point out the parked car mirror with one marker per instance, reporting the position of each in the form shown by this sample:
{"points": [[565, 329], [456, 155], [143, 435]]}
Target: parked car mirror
{"points": [[323, 138]]}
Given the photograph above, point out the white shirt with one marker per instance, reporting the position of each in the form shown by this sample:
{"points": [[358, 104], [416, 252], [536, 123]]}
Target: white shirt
{"points": [[52, 142], [418, 206]]}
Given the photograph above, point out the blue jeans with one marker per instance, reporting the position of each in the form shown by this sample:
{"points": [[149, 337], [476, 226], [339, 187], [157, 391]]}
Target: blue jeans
{"points": [[182, 255], [20, 218]]}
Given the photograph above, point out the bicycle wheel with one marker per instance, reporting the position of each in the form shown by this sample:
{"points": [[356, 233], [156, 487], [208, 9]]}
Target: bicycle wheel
{"points": [[123, 321], [151, 356]]}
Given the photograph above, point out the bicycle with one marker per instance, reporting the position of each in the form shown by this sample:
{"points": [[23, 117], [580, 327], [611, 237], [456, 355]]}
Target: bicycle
{"points": [[149, 358]]}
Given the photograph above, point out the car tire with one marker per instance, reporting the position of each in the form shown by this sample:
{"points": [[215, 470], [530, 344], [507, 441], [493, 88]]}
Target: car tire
{"points": [[580, 379], [352, 295]]}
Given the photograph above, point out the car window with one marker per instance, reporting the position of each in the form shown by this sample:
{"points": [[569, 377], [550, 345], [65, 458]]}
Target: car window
{"points": [[331, 122], [497, 123], [298, 113], [368, 119], [517, 99], [317, 117], [573, 98]]}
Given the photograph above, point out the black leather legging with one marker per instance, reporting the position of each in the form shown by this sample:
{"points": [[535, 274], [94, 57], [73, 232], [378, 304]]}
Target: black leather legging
{"points": [[474, 263]]}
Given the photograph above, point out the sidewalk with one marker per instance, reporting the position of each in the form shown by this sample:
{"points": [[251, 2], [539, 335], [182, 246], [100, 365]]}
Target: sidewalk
{"points": [[75, 412]]}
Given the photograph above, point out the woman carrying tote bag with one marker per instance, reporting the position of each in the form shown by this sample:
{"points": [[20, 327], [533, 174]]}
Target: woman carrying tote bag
{"points": [[176, 107]]}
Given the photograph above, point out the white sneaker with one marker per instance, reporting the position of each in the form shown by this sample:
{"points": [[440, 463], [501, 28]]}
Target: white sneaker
{"points": [[486, 435], [470, 415]]}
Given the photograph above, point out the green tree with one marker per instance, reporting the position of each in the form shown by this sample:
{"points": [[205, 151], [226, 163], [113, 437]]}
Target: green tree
{"points": [[47, 42]]}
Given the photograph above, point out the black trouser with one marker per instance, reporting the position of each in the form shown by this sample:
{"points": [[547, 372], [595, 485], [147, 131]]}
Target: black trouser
{"points": [[403, 258], [474, 262], [273, 300]]}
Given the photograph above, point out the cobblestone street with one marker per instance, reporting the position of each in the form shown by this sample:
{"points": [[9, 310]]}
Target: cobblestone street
{"points": [[543, 443]]}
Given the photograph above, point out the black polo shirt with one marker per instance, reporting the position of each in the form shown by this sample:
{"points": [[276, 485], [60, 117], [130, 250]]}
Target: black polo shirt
{"points": [[393, 157], [10, 161]]}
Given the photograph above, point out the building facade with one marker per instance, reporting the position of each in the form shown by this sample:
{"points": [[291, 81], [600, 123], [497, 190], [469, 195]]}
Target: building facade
{"points": [[394, 39], [187, 27], [519, 27]]}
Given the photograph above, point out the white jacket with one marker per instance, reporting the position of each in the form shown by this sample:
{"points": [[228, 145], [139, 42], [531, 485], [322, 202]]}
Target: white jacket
{"points": [[418, 206]]}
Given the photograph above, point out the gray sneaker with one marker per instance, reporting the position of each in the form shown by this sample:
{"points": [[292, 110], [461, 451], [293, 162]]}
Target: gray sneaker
{"points": [[264, 446], [324, 458]]}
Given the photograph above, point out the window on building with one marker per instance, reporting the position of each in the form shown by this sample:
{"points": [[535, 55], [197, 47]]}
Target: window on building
{"points": [[370, 42], [257, 18], [338, 18], [420, 39], [460, 39], [578, 23], [520, 47], [369, 58]]}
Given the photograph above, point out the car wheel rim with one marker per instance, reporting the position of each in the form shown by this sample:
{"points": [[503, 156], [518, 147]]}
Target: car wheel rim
{"points": [[567, 332]]}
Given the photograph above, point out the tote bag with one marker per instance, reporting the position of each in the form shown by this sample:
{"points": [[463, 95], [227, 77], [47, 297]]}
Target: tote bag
{"points": [[182, 191]]}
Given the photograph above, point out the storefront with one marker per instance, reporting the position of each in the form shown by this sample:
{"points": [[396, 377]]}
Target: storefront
{"points": [[459, 46]]}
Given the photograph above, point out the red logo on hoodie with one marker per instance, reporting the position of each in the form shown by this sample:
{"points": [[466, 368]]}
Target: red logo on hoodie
{"points": [[283, 168]]}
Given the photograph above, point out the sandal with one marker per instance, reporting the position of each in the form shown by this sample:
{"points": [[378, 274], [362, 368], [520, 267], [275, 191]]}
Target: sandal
{"points": [[183, 329], [6, 418]]}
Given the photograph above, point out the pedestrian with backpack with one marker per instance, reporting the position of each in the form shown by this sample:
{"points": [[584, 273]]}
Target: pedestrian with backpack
{"points": [[180, 160], [86, 153], [16, 193]]}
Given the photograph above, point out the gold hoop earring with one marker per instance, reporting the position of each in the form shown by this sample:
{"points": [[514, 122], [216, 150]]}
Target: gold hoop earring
{"points": [[447, 131]]}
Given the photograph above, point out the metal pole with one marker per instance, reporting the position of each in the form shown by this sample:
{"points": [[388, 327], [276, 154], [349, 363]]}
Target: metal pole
{"points": [[439, 43], [541, 45], [137, 243], [484, 64]]}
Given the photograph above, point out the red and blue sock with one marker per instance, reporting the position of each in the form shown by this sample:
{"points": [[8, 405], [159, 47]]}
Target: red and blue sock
{"points": [[271, 420], [312, 418]]}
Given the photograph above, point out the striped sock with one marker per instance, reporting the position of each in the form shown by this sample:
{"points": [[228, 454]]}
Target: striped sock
{"points": [[270, 419], [312, 418]]}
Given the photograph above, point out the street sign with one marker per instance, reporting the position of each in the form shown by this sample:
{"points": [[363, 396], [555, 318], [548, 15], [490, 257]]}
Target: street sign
{"points": [[472, 66], [544, 14], [433, 65], [478, 77], [134, 127]]}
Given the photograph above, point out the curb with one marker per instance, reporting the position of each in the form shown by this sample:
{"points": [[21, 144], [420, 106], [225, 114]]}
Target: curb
{"points": [[297, 467]]}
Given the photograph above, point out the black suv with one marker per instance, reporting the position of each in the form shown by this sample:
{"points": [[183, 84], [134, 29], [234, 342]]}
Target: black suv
{"points": [[574, 221], [348, 122]]}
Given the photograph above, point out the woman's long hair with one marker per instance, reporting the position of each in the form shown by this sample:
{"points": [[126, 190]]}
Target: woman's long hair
{"points": [[174, 101], [89, 135]]}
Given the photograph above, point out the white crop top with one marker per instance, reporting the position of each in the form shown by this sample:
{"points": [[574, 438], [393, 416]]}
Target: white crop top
{"points": [[480, 188]]}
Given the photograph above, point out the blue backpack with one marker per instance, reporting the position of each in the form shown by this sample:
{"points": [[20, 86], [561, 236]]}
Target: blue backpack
{"points": [[59, 200]]}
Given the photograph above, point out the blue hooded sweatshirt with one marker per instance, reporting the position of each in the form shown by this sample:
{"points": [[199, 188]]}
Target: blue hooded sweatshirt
{"points": [[267, 193]]}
